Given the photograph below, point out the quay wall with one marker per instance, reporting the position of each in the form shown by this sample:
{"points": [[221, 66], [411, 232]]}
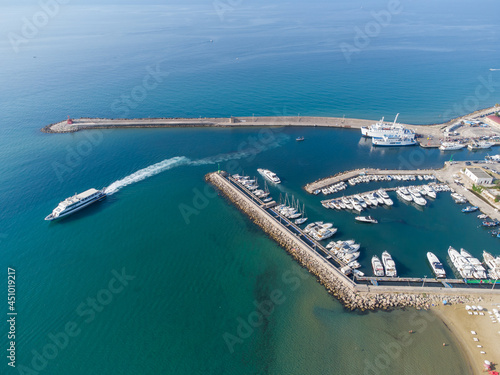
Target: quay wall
{"points": [[350, 294], [346, 175]]}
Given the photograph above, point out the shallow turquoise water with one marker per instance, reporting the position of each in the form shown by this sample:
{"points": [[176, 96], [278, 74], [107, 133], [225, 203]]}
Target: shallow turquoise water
{"points": [[195, 277]]}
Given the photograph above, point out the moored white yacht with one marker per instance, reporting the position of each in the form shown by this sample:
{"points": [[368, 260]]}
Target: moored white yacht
{"points": [[479, 145], [378, 269], [389, 264], [436, 265], [271, 176], [76, 203], [430, 191], [366, 219], [450, 146], [383, 194], [493, 264], [479, 271], [404, 194], [417, 197], [462, 265]]}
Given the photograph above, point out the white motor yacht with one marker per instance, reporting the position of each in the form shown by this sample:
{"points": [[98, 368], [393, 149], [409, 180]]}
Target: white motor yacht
{"points": [[389, 264], [436, 265]]}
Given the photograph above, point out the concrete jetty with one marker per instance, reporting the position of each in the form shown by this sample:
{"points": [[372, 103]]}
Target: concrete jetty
{"points": [[354, 295], [74, 125], [347, 175]]}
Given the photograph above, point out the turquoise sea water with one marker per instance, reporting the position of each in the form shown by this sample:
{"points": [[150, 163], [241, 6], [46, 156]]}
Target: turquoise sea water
{"points": [[198, 276]]}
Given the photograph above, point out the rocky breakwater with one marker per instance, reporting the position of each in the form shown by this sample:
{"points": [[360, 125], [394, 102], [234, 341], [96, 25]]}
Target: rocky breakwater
{"points": [[336, 283]]}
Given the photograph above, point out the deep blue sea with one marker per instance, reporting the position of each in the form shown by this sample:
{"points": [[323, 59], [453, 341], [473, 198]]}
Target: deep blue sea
{"points": [[132, 285]]}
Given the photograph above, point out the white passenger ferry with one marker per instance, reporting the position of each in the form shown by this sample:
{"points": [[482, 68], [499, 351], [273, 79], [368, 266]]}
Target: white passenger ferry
{"points": [[76, 203], [394, 140], [271, 176], [380, 129]]}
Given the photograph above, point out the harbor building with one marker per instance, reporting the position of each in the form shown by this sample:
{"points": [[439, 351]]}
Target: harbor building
{"points": [[478, 176]]}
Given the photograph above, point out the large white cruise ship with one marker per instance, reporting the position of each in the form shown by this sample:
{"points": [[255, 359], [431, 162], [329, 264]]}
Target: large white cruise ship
{"points": [[380, 129], [76, 203], [271, 176]]}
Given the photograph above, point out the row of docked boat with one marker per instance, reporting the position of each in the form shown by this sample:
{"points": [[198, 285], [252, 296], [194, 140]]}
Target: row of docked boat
{"points": [[459, 198], [439, 188], [416, 193], [335, 188], [467, 266], [473, 146], [359, 202], [320, 231], [386, 267], [252, 186], [291, 209], [364, 178], [348, 252]]}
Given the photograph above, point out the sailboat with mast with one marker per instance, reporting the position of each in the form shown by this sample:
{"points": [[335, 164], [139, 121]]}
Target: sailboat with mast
{"points": [[302, 219], [266, 197]]}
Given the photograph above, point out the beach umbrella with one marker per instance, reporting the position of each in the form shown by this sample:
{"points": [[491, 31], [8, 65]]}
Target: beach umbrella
{"points": [[467, 307], [480, 308]]}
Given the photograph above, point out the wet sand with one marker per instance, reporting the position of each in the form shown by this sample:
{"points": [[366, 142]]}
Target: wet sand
{"points": [[461, 324]]}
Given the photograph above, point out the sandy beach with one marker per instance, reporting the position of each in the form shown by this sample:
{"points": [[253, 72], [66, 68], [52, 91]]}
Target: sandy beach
{"points": [[460, 323]]}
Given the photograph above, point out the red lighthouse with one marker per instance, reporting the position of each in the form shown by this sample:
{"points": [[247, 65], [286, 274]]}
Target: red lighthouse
{"points": [[70, 121]]}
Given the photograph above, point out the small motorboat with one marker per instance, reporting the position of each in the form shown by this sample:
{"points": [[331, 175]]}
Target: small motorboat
{"points": [[299, 139], [490, 223], [366, 219], [470, 209]]}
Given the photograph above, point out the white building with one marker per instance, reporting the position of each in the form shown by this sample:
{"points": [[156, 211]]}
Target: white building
{"points": [[478, 176]]}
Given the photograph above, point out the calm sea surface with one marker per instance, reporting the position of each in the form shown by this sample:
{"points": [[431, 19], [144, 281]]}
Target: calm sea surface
{"points": [[189, 302]]}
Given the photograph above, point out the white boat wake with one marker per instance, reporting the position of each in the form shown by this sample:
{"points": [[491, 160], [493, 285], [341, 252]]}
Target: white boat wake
{"points": [[494, 70], [178, 161], [144, 173]]}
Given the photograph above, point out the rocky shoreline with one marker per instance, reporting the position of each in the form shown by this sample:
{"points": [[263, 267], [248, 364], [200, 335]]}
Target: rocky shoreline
{"points": [[347, 292]]}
